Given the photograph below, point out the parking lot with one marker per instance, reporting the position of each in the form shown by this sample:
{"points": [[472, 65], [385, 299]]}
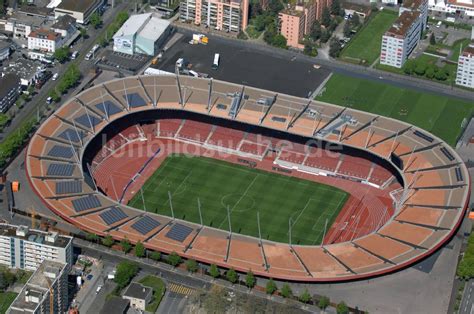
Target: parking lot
{"points": [[248, 64]]}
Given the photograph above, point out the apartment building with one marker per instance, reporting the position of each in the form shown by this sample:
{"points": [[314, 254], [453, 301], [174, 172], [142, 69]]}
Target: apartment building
{"points": [[9, 92], [43, 42], [465, 72], [46, 287], [296, 21], [24, 248], [403, 36], [224, 15]]}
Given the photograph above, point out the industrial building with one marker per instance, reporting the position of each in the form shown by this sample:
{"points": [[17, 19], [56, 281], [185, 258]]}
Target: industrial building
{"points": [[45, 292], [465, 72], [25, 248], [401, 39], [229, 16], [142, 34]]}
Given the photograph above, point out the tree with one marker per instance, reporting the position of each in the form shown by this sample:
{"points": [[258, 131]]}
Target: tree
{"points": [[232, 276], [92, 237], [432, 39], [325, 35], [83, 32], [54, 95], [342, 308], [214, 271], [126, 245], [305, 297], [430, 72], [441, 75], [140, 249], [323, 303], [334, 48], [95, 20], [125, 272], [355, 20], [409, 67], [326, 17], [174, 259], [315, 32], [250, 280], [347, 29], [420, 68], [271, 287], [335, 7], [286, 291], [191, 266], [108, 241], [62, 54], [279, 41], [156, 256]]}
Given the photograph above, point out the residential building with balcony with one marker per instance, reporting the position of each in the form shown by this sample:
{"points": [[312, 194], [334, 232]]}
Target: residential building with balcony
{"points": [[225, 15], [24, 248], [465, 72]]}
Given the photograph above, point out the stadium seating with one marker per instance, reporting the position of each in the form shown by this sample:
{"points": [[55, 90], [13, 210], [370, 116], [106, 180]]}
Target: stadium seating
{"points": [[169, 127], [195, 131], [355, 167], [225, 137]]}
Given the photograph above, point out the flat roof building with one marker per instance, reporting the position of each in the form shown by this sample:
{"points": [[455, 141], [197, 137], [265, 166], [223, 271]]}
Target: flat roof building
{"points": [[142, 33], [81, 10], [25, 248], [138, 295], [465, 71], [225, 15], [35, 297]]}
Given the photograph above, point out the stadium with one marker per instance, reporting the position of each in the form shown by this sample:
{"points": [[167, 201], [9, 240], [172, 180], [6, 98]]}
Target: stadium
{"points": [[250, 179]]}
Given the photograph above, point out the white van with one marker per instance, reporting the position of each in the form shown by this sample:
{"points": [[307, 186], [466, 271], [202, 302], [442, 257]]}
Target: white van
{"points": [[215, 63], [74, 55], [98, 289], [55, 76]]}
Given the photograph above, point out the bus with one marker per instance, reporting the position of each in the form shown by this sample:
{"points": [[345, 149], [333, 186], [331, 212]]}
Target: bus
{"points": [[215, 64]]}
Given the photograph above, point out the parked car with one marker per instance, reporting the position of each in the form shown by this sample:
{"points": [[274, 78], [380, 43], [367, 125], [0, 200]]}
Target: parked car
{"points": [[55, 76], [74, 55], [89, 277]]}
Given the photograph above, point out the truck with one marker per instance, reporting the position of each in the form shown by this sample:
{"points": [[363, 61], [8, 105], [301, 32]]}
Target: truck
{"points": [[199, 39]]}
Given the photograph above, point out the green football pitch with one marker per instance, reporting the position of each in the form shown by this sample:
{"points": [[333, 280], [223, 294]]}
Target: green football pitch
{"points": [[244, 191], [440, 115]]}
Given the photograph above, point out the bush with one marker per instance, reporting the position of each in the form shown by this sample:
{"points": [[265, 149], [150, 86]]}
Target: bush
{"points": [[92, 237], [323, 302], [108, 241], [305, 297], [342, 308], [250, 280]]}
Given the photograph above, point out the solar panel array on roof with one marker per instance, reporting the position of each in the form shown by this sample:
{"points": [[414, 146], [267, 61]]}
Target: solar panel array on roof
{"points": [[424, 136], [85, 203], [68, 187], [459, 176], [63, 170], [72, 135], [113, 215], [135, 100], [109, 106], [446, 153], [145, 225], [60, 151], [88, 121], [179, 232]]}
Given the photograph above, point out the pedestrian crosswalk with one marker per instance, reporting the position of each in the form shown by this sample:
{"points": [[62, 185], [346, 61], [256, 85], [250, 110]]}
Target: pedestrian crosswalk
{"points": [[180, 289]]}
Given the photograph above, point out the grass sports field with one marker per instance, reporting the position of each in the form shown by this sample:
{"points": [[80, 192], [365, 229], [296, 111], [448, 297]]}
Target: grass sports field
{"points": [[366, 43], [219, 184], [437, 114]]}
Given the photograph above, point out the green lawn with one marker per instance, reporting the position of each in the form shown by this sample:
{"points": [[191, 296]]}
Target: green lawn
{"points": [[440, 115], [220, 184], [6, 298], [158, 287], [367, 42], [457, 47]]}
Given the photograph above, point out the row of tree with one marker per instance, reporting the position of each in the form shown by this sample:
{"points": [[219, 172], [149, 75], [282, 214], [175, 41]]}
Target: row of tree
{"points": [[11, 144], [421, 68], [113, 28], [192, 266]]}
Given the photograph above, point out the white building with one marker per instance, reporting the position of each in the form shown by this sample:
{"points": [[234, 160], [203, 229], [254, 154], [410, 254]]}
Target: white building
{"points": [[401, 39], [35, 297], [138, 295], [452, 6], [142, 33], [23, 248], [43, 42], [465, 73]]}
